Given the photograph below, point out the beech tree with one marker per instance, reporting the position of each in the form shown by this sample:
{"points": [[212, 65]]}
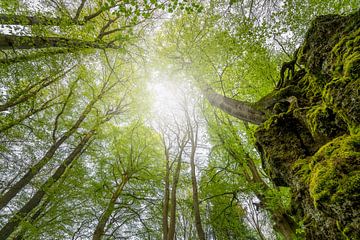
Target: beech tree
{"points": [[174, 143], [135, 148], [82, 155]]}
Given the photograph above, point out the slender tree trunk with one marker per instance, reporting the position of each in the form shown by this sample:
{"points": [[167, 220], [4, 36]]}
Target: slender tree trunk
{"points": [[31, 173], [283, 223], [97, 13], [171, 233], [14, 222], [33, 42], [165, 224], [78, 11], [100, 227], [239, 109], [193, 139]]}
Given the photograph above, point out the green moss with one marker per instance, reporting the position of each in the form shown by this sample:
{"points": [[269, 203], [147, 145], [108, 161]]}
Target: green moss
{"points": [[345, 56], [312, 144], [314, 117], [335, 179], [324, 124], [343, 96], [301, 170], [282, 140]]}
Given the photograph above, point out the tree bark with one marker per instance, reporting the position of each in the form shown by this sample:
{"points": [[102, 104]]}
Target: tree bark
{"points": [[193, 132], [100, 227], [14, 222], [33, 218], [171, 233], [33, 42], [165, 224], [36, 55], [12, 19], [239, 109]]}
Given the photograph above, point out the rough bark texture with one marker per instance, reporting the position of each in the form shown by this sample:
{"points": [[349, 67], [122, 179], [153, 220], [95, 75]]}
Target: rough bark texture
{"points": [[31, 42], [311, 143]]}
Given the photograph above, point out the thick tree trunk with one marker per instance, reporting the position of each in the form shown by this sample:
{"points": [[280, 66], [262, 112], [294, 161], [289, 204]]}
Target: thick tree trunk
{"points": [[31, 173], [239, 109], [100, 227], [12, 19], [33, 42], [14, 222], [36, 55], [33, 218]]}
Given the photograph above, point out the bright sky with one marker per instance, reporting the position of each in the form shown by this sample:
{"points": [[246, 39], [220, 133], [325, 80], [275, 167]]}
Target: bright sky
{"points": [[167, 97]]}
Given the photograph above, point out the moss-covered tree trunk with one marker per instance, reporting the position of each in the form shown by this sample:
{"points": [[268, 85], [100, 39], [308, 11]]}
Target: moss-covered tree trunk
{"points": [[34, 42], [309, 134], [311, 142]]}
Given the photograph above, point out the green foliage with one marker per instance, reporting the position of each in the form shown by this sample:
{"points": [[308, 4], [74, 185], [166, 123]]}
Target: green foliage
{"points": [[236, 47]]}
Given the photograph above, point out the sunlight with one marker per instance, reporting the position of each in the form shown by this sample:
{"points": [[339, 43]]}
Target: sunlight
{"points": [[167, 98]]}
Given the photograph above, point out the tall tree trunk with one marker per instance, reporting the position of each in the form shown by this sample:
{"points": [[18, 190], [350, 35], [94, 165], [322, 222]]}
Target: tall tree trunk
{"points": [[33, 42], [239, 109], [100, 227], [21, 235], [31, 173], [165, 212], [36, 55], [14, 222], [13, 19], [196, 206], [172, 223]]}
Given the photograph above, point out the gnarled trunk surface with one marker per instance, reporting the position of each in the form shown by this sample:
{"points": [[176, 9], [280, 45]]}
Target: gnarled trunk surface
{"points": [[309, 137], [312, 141]]}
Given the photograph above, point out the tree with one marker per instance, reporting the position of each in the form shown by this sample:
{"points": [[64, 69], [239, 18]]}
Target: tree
{"points": [[78, 155], [111, 23], [181, 143], [5, 199], [192, 125], [135, 148]]}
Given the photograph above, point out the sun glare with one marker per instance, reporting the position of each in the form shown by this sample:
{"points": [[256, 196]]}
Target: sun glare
{"points": [[168, 98]]}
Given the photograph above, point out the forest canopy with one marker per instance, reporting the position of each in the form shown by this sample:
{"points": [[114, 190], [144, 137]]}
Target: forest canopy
{"points": [[167, 119]]}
